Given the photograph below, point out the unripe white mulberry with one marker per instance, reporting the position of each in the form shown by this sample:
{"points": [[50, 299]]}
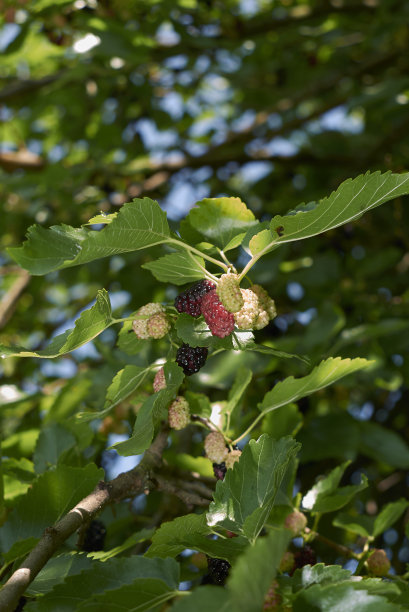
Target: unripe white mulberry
{"points": [[378, 563], [232, 458], [159, 382], [140, 326], [296, 522], [246, 317], [158, 325], [179, 413], [265, 302], [228, 290], [215, 447]]}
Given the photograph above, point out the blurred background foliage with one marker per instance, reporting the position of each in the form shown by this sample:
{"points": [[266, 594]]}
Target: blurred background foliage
{"points": [[276, 102]]}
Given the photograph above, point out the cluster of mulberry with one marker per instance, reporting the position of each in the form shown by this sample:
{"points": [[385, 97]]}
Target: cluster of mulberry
{"points": [[154, 324]]}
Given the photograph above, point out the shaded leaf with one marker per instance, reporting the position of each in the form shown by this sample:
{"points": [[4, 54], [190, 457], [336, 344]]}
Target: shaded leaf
{"points": [[248, 588], [243, 500], [177, 268]]}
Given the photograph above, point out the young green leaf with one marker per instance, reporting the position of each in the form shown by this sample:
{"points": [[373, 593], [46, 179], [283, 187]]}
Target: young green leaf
{"points": [[125, 382], [243, 500], [221, 219], [388, 516], [191, 531], [151, 412], [326, 373], [89, 325], [240, 384], [177, 268], [138, 225]]}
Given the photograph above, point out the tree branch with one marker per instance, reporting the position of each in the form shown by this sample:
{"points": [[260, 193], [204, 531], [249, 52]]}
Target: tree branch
{"points": [[9, 301], [127, 484]]}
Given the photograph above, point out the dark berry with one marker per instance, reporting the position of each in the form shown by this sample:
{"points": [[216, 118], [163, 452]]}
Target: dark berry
{"points": [[218, 570], [191, 358], [190, 300], [94, 537], [219, 320], [219, 470], [304, 556]]}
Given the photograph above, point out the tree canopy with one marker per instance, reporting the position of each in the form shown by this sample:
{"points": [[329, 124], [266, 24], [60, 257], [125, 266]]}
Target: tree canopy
{"points": [[146, 146]]}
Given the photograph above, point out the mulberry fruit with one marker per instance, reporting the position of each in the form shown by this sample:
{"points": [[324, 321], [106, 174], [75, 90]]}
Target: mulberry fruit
{"points": [[190, 300], [272, 599], [140, 326], [219, 470], [179, 413], [378, 563], [94, 537], [267, 309], [232, 458], [219, 320], [304, 556], [215, 447], [228, 290], [248, 314], [218, 570], [296, 522], [191, 358], [159, 382], [287, 562]]}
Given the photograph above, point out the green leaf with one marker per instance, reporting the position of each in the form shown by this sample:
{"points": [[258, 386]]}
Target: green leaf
{"points": [[326, 373], [62, 487], [199, 404], [389, 515], [148, 579], [128, 341], [125, 382], [326, 496], [243, 500], [341, 598], [135, 538], [204, 599], [350, 201], [261, 243], [384, 445], [53, 440], [240, 384], [318, 574], [143, 594], [177, 268], [361, 524], [270, 350], [138, 225], [57, 569], [221, 219], [89, 325], [151, 412], [191, 531], [248, 588], [196, 333]]}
